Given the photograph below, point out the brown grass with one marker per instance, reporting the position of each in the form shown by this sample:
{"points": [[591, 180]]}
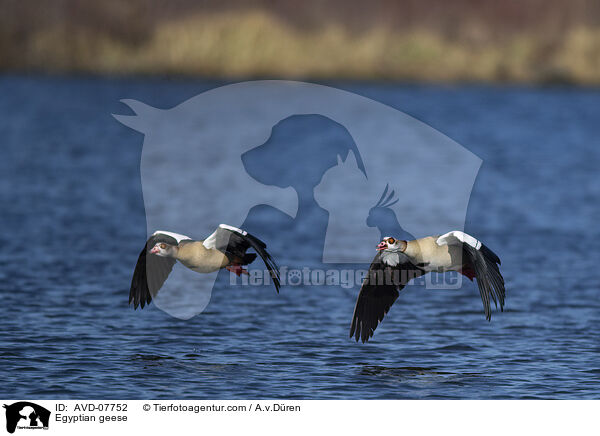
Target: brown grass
{"points": [[528, 41]]}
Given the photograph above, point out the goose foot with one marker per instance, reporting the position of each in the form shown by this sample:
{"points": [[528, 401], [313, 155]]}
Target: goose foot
{"points": [[237, 269], [467, 272]]}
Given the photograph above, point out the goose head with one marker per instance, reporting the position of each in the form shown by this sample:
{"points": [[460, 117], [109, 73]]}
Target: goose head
{"points": [[163, 249], [391, 244]]}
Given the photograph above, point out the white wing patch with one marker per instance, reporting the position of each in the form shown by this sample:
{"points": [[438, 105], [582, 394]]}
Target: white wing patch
{"points": [[457, 237], [177, 236], [233, 229], [211, 241]]}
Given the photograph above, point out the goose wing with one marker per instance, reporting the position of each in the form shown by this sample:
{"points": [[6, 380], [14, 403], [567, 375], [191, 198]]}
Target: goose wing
{"points": [[485, 263], [234, 242], [378, 292], [487, 272], [151, 271]]}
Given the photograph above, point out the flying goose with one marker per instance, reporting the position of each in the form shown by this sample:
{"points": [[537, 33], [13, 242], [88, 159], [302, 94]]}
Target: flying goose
{"points": [[399, 261], [224, 248]]}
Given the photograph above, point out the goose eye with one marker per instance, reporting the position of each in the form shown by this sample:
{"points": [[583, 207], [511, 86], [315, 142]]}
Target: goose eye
{"points": [[163, 246], [391, 241]]}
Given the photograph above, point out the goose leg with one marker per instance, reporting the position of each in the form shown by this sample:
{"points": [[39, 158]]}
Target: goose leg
{"points": [[468, 272], [237, 269]]}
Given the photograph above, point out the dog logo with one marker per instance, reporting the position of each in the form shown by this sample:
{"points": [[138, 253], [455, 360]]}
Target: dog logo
{"points": [[26, 415], [310, 160]]}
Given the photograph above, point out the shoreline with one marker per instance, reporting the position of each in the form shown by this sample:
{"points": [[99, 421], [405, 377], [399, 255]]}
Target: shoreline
{"points": [[251, 44]]}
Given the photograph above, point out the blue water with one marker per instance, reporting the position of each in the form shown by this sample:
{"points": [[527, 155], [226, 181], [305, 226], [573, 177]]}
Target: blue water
{"points": [[73, 223]]}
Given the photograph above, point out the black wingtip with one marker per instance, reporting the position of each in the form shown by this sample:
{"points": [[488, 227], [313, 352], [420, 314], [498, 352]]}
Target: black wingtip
{"points": [[261, 248], [277, 285], [489, 254]]}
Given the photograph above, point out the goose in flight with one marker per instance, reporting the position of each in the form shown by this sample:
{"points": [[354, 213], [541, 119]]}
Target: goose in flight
{"points": [[224, 248], [398, 261]]}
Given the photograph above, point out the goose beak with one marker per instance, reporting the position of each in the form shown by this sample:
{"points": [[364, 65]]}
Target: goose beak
{"points": [[382, 246]]}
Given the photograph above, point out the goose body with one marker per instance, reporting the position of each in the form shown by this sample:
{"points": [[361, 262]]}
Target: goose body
{"points": [[432, 257], [198, 258], [398, 261], [225, 248]]}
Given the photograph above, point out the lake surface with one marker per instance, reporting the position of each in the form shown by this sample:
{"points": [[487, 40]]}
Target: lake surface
{"points": [[73, 224]]}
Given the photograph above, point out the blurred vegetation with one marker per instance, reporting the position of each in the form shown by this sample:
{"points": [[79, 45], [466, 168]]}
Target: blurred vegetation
{"points": [[433, 40]]}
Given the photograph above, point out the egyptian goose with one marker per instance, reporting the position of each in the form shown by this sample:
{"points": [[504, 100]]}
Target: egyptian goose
{"points": [[398, 261], [224, 248]]}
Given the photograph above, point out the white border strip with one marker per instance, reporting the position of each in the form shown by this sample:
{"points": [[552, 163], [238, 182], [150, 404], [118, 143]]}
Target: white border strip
{"points": [[272, 417]]}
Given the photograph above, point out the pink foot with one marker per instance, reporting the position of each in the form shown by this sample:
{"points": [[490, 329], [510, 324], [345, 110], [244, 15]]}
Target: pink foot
{"points": [[237, 269], [467, 272]]}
